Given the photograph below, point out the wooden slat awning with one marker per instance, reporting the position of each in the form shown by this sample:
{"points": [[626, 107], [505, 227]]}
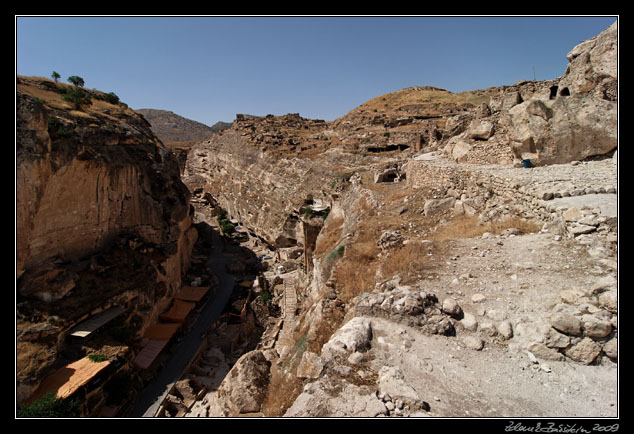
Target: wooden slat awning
{"points": [[161, 332], [65, 381], [149, 353], [178, 312], [90, 325], [192, 293]]}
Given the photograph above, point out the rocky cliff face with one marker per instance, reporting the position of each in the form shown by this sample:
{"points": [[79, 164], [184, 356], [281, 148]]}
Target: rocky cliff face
{"points": [[102, 215], [84, 177], [270, 175], [551, 122]]}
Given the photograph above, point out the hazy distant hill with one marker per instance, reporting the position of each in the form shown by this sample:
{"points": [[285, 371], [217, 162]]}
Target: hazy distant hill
{"points": [[172, 128], [220, 126]]}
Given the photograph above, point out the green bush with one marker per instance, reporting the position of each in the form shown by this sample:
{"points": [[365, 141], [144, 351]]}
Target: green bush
{"points": [[96, 358], [324, 214], [227, 227], [112, 98], [76, 80], [335, 254], [300, 345], [266, 297], [76, 96], [56, 127], [50, 406]]}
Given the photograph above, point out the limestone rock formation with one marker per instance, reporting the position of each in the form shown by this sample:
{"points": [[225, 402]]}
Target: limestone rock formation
{"points": [[550, 122], [83, 178], [593, 69], [244, 388], [565, 129], [102, 217], [579, 118]]}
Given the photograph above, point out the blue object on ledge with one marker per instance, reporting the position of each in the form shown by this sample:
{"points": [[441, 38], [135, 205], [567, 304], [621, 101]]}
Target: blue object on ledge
{"points": [[527, 163]]}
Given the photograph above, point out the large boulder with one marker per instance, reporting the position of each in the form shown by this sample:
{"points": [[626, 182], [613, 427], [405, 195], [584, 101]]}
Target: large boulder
{"points": [[318, 400], [578, 118], [355, 335], [244, 389], [562, 130]]}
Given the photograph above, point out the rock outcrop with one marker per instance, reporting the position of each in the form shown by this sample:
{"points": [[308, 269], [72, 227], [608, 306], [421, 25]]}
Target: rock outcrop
{"points": [[262, 172], [245, 387], [85, 177], [593, 69], [550, 122], [103, 218]]}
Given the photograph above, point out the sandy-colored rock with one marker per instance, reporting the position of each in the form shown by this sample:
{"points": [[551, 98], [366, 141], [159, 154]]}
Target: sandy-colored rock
{"points": [[585, 351], [243, 390], [311, 366]]}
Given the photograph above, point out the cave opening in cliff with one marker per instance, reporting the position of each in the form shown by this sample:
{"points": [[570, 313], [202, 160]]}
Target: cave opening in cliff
{"points": [[553, 92], [388, 148], [389, 177], [564, 92]]}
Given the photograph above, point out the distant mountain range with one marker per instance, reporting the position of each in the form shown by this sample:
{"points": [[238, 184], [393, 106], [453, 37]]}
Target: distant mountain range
{"points": [[175, 129]]}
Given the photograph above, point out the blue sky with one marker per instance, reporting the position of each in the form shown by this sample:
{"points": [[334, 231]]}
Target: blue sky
{"points": [[210, 68]]}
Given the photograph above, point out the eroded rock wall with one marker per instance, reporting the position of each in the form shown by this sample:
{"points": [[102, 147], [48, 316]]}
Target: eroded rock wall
{"points": [[266, 192], [83, 178], [102, 219]]}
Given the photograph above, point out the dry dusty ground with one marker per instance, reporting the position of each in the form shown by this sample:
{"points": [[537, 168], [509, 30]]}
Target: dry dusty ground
{"points": [[520, 278]]}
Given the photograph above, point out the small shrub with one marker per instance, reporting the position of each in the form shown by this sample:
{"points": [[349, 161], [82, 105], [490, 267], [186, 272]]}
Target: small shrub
{"points": [[49, 406], [96, 358], [112, 98], [300, 346], [324, 214], [76, 96], [226, 227], [335, 254], [308, 211], [266, 297], [56, 127]]}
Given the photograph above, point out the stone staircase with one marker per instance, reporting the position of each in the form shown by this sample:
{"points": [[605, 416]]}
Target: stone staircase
{"points": [[285, 340]]}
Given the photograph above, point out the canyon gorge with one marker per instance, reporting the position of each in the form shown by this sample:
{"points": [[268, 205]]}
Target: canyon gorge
{"points": [[428, 254]]}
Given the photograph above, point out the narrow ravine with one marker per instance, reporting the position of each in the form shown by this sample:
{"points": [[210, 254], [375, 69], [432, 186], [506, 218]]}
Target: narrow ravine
{"points": [[153, 395]]}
